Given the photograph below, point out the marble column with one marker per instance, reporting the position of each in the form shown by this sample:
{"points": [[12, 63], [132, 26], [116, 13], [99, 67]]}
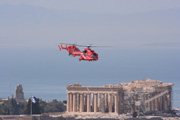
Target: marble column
{"points": [[71, 102], [121, 103], [68, 102], [106, 102], [160, 103], [74, 102], [146, 105], [110, 103], [149, 103], [103, 103], [116, 105], [99, 102], [92, 102], [156, 104], [165, 102], [113, 103], [153, 103], [78, 102], [169, 99], [95, 102], [81, 102], [158, 100], [85, 102], [88, 102]]}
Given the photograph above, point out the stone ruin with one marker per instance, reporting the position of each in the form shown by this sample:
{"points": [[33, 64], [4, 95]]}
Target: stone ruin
{"points": [[141, 95], [19, 94]]}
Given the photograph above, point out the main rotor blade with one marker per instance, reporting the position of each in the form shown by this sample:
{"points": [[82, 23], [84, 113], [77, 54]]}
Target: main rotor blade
{"points": [[68, 44], [89, 45], [92, 46]]}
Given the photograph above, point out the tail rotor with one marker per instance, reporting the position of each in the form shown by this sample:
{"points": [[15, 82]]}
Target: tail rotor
{"points": [[59, 47]]}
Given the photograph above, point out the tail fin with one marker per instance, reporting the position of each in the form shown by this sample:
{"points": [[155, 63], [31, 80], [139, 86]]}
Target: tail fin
{"points": [[63, 47], [59, 47]]}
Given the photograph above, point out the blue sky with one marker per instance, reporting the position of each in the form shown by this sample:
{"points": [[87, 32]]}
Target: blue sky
{"points": [[128, 24], [144, 33]]}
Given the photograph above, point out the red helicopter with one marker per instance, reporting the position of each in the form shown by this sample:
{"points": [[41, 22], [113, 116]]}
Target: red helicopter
{"points": [[73, 50], [87, 54]]}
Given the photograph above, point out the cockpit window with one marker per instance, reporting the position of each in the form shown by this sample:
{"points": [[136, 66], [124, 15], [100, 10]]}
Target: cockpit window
{"points": [[94, 54]]}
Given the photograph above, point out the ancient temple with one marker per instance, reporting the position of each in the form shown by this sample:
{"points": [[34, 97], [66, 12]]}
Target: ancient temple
{"points": [[19, 94], [142, 95]]}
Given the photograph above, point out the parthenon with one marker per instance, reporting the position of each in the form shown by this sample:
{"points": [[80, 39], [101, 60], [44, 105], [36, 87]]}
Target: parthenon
{"points": [[143, 95]]}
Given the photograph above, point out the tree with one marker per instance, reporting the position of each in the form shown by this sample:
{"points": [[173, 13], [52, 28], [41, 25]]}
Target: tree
{"points": [[36, 109], [55, 106], [42, 104], [9, 107], [22, 107], [65, 101]]}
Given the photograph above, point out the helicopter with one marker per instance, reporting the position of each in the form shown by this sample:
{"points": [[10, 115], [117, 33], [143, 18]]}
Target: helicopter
{"points": [[86, 55], [72, 49]]}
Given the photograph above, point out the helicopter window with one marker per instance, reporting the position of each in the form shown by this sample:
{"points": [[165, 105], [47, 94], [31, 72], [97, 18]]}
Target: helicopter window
{"points": [[94, 54], [85, 51], [76, 49]]}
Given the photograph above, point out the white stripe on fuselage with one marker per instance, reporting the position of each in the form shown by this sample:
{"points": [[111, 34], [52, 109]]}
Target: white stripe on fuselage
{"points": [[83, 55]]}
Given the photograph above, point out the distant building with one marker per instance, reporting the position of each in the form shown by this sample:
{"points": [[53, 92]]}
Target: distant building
{"points": [[19, 94], [141, 95]]}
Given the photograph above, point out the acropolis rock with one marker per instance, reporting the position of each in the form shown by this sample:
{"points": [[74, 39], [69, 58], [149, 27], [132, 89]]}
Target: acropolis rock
{"points": [[19, 94]]}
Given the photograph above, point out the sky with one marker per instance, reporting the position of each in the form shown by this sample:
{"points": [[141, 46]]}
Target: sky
{"points": [[123, 23], [145, 35]]}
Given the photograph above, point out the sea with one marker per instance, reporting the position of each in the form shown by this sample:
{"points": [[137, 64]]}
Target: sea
{"points": [[46, 73]]}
